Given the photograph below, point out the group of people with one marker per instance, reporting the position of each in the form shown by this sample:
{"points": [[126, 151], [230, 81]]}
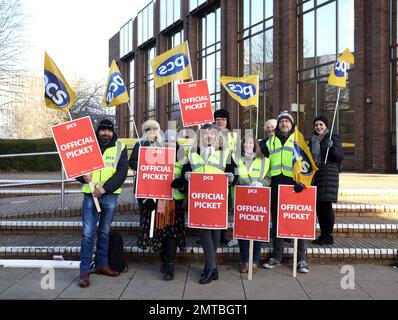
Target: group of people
{"points": [[218, 150]]}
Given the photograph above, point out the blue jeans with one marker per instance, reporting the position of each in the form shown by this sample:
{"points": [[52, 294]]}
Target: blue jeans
{"points": [[90, 220], [244, 251]]}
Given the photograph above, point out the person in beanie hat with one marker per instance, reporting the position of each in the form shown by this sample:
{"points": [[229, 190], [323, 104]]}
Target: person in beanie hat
{"points": [[107, 183], [326, 179], [151, 137], [169, 230], [280, 151], [221, 118]]}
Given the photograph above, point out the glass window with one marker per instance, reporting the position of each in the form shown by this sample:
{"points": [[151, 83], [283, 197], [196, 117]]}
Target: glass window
{"points": [[126, 39], [257, 45], [193, 4], [326, 28], [150, 91], [145, 24], [209, 54], [173, 108]]}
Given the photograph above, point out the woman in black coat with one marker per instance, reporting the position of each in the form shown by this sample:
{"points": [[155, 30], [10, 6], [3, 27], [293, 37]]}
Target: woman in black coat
{"points": [[326, 179]]}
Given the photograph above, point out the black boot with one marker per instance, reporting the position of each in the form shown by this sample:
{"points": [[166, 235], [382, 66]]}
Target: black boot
{"points": [[169, 274], [209, 276], [163, 261]]}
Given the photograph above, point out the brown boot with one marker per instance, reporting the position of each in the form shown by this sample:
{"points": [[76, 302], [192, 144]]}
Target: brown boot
{"points": [[107, 271], [84, 280], [244, 268], [255, 267]]}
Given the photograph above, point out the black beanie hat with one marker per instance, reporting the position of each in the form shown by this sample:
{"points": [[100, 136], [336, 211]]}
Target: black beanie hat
{"points": [[105, 124], [221, 113], [322, 118]]}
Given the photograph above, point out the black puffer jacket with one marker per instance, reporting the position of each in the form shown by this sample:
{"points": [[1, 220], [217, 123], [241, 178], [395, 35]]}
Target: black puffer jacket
{"points": [[326, 179]]}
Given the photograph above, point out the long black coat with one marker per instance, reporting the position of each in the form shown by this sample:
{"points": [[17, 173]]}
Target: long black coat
{"points": [[327, 177]]}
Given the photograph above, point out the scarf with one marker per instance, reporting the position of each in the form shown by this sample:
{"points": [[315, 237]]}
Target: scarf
{"points": [[316, 146]]}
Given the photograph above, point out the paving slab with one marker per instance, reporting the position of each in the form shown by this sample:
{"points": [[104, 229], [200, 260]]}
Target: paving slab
{"points": [[331, 290], [35, 286], [228, 287], [380, 289], [101, 287]]}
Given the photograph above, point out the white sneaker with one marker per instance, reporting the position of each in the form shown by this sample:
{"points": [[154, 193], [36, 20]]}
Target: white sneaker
{"points": [[302, 267], [272, 263], [233, 243]]}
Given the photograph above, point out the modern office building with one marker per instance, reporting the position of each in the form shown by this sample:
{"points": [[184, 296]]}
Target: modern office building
{"points": [[292, 45]]}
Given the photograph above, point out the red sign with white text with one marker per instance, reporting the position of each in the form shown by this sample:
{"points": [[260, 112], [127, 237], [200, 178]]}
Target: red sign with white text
{"points": [[208, 201], [195, 103], [78, 147], [155, 173], [296, 213], [252, 213]]}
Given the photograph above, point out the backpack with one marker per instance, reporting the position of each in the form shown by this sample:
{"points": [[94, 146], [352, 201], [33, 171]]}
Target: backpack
{"points": [[116, 257]]}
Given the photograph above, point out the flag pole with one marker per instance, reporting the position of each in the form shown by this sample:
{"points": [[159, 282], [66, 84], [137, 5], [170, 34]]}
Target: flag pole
{"points": [[334, 119], [258, 107], [134, 125], [251, 249], [295, 258]]}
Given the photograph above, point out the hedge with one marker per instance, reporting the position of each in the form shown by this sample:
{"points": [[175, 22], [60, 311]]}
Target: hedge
{"points": [[31, 163]]}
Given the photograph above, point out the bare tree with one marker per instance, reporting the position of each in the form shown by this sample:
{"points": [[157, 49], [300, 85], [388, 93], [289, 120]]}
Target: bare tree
{"points": [[12, 46]]}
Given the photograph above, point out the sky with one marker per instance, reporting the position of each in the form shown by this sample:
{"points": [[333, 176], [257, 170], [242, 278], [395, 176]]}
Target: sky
{"points": [[75, 34]]}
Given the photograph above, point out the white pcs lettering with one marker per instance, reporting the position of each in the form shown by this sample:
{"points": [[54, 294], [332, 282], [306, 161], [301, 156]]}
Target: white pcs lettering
{"points": [[54, 92], [170, 66]]}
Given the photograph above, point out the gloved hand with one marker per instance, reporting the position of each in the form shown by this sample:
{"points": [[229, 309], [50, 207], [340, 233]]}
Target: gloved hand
{"points": [[298, 187], [150, 204], [187, 176], [267, 181], [330, 143], [230, 176], [177, 183], [256, 184]]}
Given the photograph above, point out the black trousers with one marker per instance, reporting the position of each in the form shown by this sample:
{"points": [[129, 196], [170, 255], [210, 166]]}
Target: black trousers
{"points": [[168, 250], [324, 211]]}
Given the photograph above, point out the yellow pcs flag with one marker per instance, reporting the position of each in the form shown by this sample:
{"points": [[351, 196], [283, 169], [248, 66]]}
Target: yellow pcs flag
{"points": [[304, 166], [172, 65], [245, 90], [57, 93], [338, 75], [115, 90]]}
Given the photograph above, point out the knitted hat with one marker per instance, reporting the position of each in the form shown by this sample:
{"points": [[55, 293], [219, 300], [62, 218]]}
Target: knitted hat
{"points": [[285, 115], [221, 113], [322, 118], [150, 124], [105, 124]]}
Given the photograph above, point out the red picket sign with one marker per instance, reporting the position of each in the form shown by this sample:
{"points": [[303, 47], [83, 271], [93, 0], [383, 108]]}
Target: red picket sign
{"points": [[252, 213], [155, 173], [208, 201], [296, 213], [78, 147], [195, 103]]}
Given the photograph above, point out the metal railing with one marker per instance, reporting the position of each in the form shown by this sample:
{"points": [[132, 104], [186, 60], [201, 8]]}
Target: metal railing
{"points": [[39, 182]]}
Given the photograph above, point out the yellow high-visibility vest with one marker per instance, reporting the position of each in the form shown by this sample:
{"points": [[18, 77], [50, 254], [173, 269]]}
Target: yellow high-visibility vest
{"points": [[281, 157], [256, 173], [111, 158], [216, 163]]}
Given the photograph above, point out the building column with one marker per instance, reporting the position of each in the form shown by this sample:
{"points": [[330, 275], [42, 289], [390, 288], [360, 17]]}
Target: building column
{"points": [[370, 78], [284, 90], [229, 55]]}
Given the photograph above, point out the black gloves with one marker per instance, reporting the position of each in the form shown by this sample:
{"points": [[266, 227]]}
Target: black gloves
{"points": [[177, 183], [298, 187], [150, 204]]}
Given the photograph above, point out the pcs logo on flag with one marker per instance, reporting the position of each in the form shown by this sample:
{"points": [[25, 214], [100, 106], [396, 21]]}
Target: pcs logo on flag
{"points": [[116, 87], [340, 69], [243, 90], [300, 155], [55, 90], [172, 65]]}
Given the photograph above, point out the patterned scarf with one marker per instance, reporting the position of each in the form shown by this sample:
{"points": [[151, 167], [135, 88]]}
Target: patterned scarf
{"points": [[316, 146]]}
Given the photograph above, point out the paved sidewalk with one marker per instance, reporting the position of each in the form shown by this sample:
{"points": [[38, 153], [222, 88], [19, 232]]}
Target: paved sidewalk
{"points": [[143, 281]]}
